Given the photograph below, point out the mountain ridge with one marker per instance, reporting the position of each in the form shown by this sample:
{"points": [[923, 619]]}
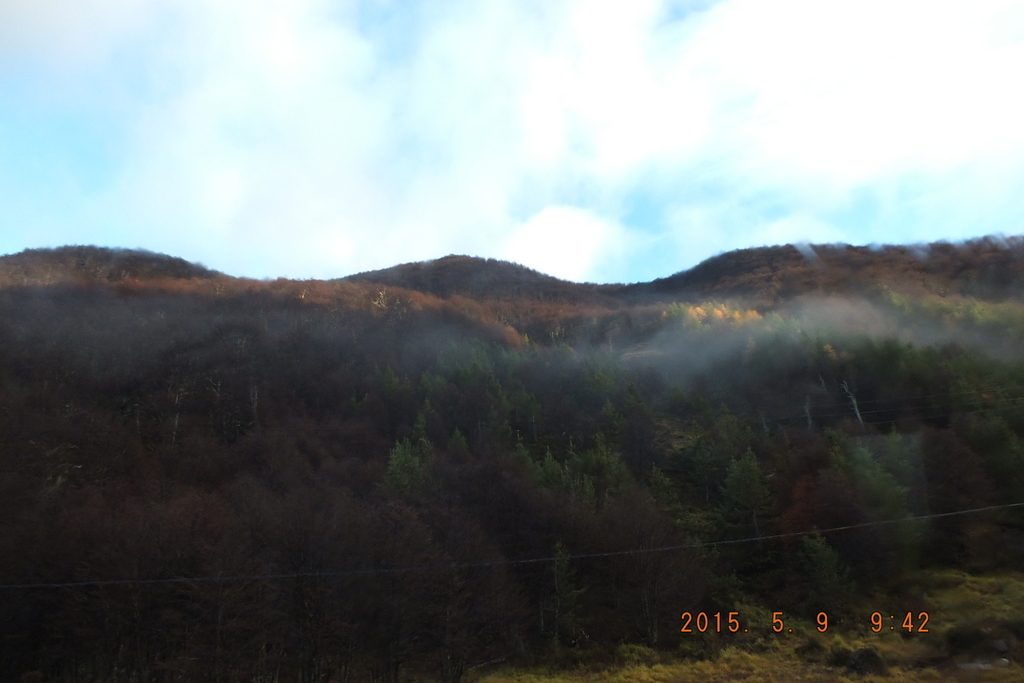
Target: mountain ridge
{"points": [[81, 263], [493, 278], [988, 268]]}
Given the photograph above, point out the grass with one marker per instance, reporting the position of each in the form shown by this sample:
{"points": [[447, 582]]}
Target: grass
{"points": [[967, 614], [977, 598], [737, 665]]}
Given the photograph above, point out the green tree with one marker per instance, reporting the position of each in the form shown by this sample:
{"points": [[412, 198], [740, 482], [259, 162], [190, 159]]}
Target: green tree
{"points": [[405, 468], [408, 461], [565, 601], [597, 472], [746, 500], [826, 585]]}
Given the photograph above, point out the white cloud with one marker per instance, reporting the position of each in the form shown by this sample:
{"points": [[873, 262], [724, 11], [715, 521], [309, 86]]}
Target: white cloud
{"points": [[66, 34], [567, 242], [275, 137], [798, 229], [854, 92]]}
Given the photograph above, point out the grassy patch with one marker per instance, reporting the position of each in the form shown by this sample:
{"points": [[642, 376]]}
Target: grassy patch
{"points": [[737, 665], [978, 598], [967, 614]]}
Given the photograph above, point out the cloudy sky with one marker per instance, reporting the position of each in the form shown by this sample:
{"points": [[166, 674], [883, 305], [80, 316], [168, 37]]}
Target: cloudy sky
{"points": [[594, 140]]}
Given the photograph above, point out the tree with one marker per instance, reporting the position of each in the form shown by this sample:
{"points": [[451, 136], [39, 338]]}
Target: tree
{"points": [[564, 604], [824, 584], [652, 583], [408, 462], [746, 500], [597, 473]]}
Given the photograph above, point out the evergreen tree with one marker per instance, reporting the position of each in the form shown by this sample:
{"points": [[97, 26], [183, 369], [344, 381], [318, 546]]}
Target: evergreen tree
{"points": [[746, 500]]}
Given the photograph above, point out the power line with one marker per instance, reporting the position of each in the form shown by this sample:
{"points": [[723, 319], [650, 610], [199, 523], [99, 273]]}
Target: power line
{"points": [[496, 563]]}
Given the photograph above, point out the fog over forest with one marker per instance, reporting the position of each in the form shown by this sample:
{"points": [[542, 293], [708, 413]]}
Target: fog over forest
{"points": [[437, 469]]}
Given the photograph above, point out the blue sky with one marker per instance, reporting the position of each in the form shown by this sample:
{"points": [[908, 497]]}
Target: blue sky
{"points": [[595, 140]]}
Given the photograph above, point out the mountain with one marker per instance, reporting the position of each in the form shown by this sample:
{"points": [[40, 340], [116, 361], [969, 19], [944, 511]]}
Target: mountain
{"points": [[95, 264], [486, 279], [415, 472], [986, 268]]}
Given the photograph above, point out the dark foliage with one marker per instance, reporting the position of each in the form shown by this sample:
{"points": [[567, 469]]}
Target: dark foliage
{"points": [[417, 471]]}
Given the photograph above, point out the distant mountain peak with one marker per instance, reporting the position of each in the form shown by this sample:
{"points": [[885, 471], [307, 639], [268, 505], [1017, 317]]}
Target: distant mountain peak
{"points": [[987, 268], [95, 264], [488, 278]]}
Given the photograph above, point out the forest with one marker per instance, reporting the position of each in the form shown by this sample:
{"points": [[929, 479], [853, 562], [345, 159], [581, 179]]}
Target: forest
{"points": [[431, 471]]}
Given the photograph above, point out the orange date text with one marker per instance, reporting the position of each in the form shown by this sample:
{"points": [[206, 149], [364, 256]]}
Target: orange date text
{"points": [[730, 622]]}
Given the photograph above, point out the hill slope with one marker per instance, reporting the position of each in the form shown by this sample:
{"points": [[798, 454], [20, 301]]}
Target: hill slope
{"points": [[486, 279], [94, 264], [215, 478], [986, 268]]}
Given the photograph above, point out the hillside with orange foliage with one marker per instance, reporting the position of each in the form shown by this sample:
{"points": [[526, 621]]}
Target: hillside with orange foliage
{"points": [[419, 472]]}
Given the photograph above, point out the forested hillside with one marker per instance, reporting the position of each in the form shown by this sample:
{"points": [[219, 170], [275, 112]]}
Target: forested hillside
{"points": [[420, 472]]}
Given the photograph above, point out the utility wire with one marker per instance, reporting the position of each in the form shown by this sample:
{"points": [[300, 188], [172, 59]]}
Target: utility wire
{"points": [[713, 395], [496, 563]]}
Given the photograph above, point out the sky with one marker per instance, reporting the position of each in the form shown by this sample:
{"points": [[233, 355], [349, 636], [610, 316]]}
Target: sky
{"points": [[600, 141]]}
